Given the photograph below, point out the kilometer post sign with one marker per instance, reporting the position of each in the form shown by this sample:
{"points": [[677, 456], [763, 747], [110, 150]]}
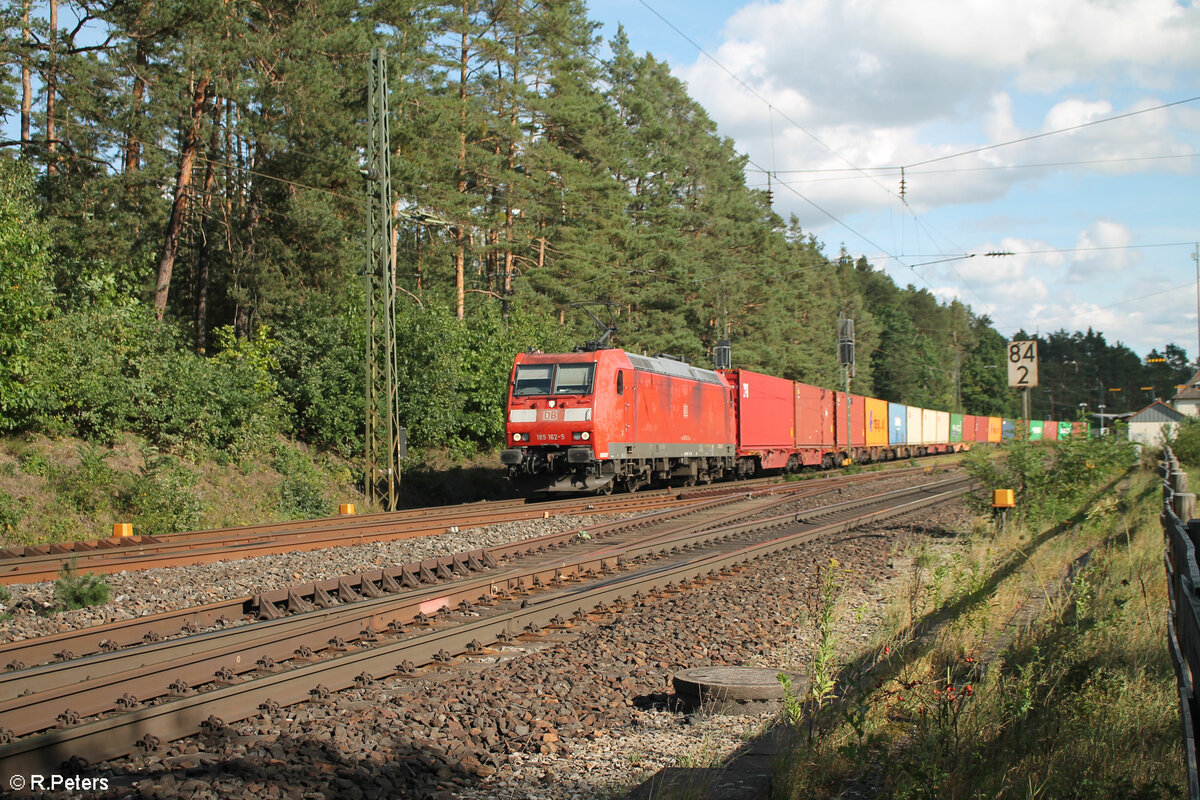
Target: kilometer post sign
{"points": [[1022, 365]]}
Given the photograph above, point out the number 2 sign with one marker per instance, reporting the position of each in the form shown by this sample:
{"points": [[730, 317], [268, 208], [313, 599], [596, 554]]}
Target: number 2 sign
{"points": [[1022, 365]]}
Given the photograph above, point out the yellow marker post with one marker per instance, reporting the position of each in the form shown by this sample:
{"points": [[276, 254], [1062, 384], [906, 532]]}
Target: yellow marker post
{"points": [[1002, 501], [346, 510], [122, 529]]}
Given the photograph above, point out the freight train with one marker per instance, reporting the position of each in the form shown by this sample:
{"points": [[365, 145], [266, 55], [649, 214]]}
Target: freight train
{"points": [[601, 419]]}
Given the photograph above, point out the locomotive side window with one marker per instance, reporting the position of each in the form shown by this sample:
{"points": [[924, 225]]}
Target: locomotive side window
{"points": [[532, 379], [620, 382], [574, 379]]}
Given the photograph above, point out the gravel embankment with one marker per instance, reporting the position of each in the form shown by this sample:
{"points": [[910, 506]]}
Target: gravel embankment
{"points": [[136, 594], [580, 715]]}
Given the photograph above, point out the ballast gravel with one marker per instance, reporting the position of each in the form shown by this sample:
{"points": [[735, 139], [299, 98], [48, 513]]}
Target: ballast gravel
{"points": [[577, 714], [136, 594]]}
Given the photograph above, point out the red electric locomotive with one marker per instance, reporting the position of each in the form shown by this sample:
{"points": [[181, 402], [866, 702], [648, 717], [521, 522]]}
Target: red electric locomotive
{"points": [[590, 420]]}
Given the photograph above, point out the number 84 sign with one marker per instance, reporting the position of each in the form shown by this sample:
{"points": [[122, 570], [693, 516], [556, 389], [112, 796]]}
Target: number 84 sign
{"points": [[1022, 365]]}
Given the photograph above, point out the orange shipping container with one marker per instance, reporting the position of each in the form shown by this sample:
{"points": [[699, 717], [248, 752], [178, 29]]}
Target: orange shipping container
{"points": [[877, 422], [995, 429]]}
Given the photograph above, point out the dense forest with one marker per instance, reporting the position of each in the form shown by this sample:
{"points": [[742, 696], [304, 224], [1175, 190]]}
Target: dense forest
{"points": [[183, 217]]}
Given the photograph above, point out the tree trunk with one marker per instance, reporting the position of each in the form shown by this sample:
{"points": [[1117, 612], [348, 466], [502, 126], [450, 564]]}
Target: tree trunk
{"points": [[52, 91], [460, 236], [513, 119], [133, 147], [418, 258], [183, 183], [26, 80], [204, 257]]}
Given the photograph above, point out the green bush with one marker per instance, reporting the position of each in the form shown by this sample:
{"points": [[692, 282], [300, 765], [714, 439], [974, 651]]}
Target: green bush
{"points": [[34, 463], [102, 371], [73, 590], [453, 374], [83, 486], [1049, 481], [162, 497], [10, 514], [319, 368], [1186, 441], [25, 292], [301, 492]]}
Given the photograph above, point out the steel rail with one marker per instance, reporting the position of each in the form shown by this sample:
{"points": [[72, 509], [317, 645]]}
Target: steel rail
{"points": [[133, 632], [44, 562], [114, 736], [270, 604], [104, 683], [219, 546]]}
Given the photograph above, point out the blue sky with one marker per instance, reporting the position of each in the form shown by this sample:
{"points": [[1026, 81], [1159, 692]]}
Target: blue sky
{"points": [[1101, 220]]}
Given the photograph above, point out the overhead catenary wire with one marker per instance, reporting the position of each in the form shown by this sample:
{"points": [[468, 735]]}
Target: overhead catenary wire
{"points": [[1056, 132], [819, 141], [886, 171], [773, 176]]}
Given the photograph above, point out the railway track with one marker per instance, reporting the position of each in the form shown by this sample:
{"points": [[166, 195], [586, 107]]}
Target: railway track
{"points": [[104, 556], [273, 603], [361, 642]]}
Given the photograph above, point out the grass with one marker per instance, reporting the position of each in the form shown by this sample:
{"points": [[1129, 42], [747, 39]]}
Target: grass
{"points": [[62, 489], [968, 693]]}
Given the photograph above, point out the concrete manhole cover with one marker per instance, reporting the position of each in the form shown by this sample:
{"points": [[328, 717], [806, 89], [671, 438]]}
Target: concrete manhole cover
{"points": [[735, 684]]}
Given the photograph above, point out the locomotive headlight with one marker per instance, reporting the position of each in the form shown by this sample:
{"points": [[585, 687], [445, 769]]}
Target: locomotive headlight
{"points": [[552, 403], [585, 436]]}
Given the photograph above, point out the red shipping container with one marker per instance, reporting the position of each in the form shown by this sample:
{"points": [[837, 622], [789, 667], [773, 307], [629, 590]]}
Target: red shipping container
{"points": [[1050, 431], [766, 412], [814, 424], [858, 419], [980, 429]]}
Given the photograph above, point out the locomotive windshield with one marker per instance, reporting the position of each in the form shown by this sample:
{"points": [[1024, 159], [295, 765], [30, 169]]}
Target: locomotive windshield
{"points": [[534, 379]]}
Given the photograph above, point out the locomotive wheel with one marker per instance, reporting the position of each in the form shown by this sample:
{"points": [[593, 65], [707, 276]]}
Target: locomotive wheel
{"points": [[607, 488]]}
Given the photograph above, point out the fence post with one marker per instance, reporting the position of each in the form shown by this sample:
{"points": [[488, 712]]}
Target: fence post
{"points": [[1184, 505]]}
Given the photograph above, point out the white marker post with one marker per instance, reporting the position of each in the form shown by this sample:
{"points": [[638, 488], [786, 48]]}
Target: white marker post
{"points": [[1022, 370]]}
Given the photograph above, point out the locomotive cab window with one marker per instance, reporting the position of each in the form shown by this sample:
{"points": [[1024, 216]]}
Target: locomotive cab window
{"points": [[541, 379], [533, 379], [574, 379]]}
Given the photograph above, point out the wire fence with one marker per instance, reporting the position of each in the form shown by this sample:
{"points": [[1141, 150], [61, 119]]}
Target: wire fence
{"points": [[1182, 534]]}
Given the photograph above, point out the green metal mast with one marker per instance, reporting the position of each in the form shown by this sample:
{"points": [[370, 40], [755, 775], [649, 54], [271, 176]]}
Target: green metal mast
{"points": [[385, 439]]}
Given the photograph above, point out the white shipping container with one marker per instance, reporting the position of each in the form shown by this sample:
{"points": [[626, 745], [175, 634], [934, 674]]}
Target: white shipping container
{"points": [[943, 427], [914, 425]]}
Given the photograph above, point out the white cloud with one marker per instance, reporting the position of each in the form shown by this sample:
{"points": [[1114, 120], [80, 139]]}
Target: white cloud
{"points": [[1103, 251], [881, 83]]}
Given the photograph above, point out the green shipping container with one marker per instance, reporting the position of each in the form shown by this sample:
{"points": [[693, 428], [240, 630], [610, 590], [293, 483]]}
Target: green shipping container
{"points": [[956, 426], [1064, 430], [1035, 430]]}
